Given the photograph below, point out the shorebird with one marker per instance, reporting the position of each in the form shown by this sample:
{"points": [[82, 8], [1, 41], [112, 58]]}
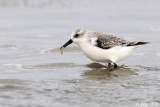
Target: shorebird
{"points": [[102, 47]]}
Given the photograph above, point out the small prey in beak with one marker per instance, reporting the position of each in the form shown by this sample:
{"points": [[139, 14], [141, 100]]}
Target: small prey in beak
{"points": [[65, 45]]}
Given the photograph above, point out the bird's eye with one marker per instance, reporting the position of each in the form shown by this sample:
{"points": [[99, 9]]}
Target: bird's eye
{"points": [[76, 35]]}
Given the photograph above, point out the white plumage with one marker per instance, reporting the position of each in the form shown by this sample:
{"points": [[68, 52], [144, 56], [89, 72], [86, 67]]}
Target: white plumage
{"points": [[114, 54]]}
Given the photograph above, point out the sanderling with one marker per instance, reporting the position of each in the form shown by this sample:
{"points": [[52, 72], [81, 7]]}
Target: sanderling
{"points": [[102, 47]]}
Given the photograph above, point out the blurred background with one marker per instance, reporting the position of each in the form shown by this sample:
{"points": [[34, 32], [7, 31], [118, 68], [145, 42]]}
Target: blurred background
{"points": [[50, 16], [34, 74]]}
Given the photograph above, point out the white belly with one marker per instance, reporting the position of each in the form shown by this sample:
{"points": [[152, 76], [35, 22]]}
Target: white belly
{"points": [[114, 54]]}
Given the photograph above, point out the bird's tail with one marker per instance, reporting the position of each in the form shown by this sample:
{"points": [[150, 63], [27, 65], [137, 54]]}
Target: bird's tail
{"points": [[138, 43], [141, 43]]}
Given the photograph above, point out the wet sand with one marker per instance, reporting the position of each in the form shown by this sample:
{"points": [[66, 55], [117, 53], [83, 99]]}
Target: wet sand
{"points": [[33, 73]]}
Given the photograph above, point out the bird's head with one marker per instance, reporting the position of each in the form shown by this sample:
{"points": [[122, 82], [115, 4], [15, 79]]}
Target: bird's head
{"points": [[77, 37]]}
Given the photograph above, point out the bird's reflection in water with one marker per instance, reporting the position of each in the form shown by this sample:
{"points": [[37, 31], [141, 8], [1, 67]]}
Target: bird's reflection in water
{"points": [[100, 72]]}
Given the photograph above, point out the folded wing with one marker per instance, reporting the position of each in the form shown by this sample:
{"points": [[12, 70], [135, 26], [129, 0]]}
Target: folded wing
{"points": [[106, 41]]}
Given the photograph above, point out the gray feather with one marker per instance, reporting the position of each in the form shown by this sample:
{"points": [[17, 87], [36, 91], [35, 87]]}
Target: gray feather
{"points": [[106, 41]]}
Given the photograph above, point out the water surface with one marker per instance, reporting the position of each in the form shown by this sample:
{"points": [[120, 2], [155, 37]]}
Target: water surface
{"points": [[33, 73]]}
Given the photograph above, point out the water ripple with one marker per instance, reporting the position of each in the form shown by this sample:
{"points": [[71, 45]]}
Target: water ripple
{"points": [[66, 50], [12, 47], [50, 66]]}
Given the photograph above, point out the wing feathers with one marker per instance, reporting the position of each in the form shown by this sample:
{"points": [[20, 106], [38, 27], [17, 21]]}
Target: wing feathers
{"points": [[106, 41]]}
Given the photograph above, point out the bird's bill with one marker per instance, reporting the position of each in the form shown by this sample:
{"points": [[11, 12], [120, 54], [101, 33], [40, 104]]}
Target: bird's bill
{"points": [[67, 43]]}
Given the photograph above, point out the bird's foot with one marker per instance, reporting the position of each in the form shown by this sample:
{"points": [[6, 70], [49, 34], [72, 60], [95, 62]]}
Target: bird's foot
{"points": [[114, 66]]}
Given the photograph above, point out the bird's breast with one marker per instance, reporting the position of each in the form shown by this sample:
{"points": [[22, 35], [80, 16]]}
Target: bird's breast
{"points": [[94, 53], [114, 54]]}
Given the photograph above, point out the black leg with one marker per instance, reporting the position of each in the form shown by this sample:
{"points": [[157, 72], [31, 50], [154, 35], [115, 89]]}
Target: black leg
{"points": [[109, 64], [115, 65]]}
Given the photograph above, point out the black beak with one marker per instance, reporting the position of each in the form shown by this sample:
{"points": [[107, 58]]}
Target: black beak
{"points": [[67, 43]]}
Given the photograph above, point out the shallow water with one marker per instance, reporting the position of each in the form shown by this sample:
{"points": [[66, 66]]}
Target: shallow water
{"points": [[33, 73]]}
